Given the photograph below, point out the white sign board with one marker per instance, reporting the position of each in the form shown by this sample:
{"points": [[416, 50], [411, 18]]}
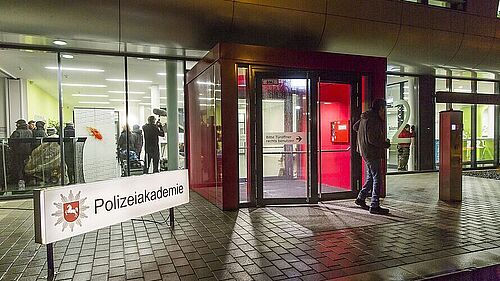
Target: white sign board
{"points": [[67, 211], [281, 138]]}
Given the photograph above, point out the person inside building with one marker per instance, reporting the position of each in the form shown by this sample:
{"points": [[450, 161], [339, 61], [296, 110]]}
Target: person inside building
{"points": [[39, 131], [404, 143], [31, 125], [152, 131], [372, 145], [69, 151], [137, 132], [20, 144]]}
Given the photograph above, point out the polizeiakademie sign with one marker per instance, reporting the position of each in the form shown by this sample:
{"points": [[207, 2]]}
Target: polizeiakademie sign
{"points": [[67, 211]]}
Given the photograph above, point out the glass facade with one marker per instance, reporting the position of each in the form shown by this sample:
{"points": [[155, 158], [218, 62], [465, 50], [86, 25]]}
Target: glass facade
{"points": [[480, 121], [88, 113], [402, 122]]}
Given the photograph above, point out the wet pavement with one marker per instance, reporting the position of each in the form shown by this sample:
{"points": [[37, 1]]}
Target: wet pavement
{"points": [[331, 241]]}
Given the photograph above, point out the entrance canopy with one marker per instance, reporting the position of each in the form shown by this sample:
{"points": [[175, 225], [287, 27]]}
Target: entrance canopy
{"points": [[269, 125]]}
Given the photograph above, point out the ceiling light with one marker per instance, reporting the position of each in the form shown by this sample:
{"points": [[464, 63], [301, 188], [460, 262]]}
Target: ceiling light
{"points": [[94, 102], [75, 69], [180, 75], [154, 59], [180, 89], [130, 92], [67, 56], [83, 85], [145, 103], [60, 42], [130, 80], [124, 100], [162, 88], [205, 83], [90, 95], [162, 73]]}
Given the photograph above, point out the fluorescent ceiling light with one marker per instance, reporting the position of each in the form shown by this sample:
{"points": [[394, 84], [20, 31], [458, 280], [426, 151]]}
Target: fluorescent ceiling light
{"points": [[205, 83], [124, 100], [60, 42], [94, 102], [67, 56], [162, 73], [75, 69], [242, 85], [154, 59], [83, 85], [130, 80], [145, 103], [130, 92], [90, 95]]}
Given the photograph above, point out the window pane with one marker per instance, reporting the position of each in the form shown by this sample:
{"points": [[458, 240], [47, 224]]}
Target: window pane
{"points": [[461, 86], [93, 94], [485, 87], [442, 85], [242, 133], [402, 104], [485, 143], [438, 3], [467, 132], [439, 107], [34, 97]]}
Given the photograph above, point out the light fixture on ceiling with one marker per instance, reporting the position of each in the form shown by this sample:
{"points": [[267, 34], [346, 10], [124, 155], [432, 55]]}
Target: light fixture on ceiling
{"points": [[75, 69], [67, 56], [154, 59], [60, 42], [145, 103], [124, 100], [94, 102], [130, 92], [130, 80], [83, 85], [90, 95], [165, 74]]}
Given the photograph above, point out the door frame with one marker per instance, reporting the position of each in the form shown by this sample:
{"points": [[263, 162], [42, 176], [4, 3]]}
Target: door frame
{"points": [[355, 112], [255, 171]]}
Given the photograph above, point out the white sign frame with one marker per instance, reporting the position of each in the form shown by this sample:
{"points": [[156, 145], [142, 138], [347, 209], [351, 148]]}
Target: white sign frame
{"points": [[283, 138], [104, 203]]}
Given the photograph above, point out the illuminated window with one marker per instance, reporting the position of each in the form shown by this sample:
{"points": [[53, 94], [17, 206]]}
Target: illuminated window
{"points": [[498, 9]]}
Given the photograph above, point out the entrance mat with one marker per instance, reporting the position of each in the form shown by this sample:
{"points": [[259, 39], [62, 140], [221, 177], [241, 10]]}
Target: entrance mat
{"points": [[338, 215]]}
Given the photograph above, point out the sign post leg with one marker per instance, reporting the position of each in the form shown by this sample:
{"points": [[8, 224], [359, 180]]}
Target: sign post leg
{"points": [[171, 216], [50, 262]]}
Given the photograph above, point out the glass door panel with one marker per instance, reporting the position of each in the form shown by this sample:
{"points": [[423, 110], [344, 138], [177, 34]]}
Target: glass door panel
{"points": [[334, 155], [284, 138]]}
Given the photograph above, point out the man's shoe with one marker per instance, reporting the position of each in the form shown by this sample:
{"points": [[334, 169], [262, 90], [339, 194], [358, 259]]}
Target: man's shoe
{"points": [[379, 210], [361, 203]]}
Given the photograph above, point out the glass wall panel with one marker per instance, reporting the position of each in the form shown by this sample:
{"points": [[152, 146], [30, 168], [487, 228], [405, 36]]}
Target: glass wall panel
{"points": [[468, 148], [147, 116], [442, 85], [439, 107], [202, 150], [485, 87], [242, 134], [402, 119], [461, 86], [93, 89], [485, 134], [218, 131], [28, 97]]}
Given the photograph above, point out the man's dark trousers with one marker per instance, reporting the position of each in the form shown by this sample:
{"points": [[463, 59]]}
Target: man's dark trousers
{"points": [[155, 156], [373, 182]]}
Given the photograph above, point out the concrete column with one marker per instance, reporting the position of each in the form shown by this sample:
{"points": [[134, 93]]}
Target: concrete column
{"points": [[155, 97], [172, 117]]}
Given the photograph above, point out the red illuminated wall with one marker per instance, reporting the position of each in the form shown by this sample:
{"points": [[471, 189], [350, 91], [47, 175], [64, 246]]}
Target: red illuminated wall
{"points": [[334, 167]]}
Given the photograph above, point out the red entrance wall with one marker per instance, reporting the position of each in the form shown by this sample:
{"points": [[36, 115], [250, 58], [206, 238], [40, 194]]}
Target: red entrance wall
{"points": [[334, 168]]}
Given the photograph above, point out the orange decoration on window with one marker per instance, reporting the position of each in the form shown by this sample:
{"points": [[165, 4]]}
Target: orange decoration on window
{"points": [[95, 133]]}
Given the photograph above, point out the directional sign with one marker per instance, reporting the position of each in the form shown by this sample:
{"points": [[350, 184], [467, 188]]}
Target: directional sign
{"points": [[281, 138]]}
